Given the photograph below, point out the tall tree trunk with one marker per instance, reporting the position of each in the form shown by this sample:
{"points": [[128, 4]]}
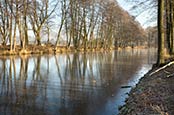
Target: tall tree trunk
{"points": [[161, 35], [63, 16], [14, 37], [10, 33], [38, 39], [26, 31], [48, 35], [172, 26]]}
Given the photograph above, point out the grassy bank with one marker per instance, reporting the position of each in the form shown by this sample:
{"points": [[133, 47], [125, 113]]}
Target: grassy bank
{"points": [[51, 49], [153, 95], [44, 49]]}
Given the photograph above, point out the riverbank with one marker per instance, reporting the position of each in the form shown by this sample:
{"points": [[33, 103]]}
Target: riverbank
{"points": [[153, 95], [44, 49], [51, 49]]}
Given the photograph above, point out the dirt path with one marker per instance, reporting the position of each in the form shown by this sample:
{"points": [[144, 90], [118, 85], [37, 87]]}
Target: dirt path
{"points": [[153, 95]]}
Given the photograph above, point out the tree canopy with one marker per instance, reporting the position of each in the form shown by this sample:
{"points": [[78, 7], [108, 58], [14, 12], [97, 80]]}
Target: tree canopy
{"points": [[85, 24]]}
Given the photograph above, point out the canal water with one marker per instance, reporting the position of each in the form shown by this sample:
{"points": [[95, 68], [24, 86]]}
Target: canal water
{"points": [[70, 84]]}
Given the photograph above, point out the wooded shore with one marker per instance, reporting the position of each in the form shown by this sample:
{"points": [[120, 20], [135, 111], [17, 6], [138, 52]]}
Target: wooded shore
{"points": [[45, 49], [51, 49], [153, 95]]}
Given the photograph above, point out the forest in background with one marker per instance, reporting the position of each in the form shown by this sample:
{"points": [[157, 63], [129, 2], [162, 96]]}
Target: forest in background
{"points": [[77, 24], [165, 27]]}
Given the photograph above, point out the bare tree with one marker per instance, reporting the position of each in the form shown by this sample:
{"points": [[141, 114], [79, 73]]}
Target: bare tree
{"points": [[4, 21], [39, 16]]}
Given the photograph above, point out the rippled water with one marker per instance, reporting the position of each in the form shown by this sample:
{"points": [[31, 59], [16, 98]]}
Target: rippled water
{"points": [[70, 84]]}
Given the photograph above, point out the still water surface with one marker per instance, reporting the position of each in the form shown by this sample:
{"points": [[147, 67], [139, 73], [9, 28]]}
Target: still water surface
{"points": [[70, 84]]}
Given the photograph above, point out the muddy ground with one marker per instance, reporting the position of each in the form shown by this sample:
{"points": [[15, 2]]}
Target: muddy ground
{"points": [[153, 95]]}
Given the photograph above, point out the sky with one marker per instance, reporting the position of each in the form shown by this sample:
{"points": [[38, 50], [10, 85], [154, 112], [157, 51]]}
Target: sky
{"points": [[142, 18]]}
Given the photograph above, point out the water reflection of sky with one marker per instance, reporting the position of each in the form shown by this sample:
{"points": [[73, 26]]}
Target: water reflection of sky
{"points": [[68, 84]]}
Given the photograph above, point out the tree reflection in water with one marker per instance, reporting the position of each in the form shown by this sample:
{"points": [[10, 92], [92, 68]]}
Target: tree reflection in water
{"points": [[66, 84]]}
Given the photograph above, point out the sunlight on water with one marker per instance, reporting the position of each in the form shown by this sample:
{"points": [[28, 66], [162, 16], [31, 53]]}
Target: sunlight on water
{"points": [[70, 84]]}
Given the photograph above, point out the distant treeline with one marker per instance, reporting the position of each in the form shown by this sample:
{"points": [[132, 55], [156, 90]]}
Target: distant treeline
{"points": [[79, 23]]}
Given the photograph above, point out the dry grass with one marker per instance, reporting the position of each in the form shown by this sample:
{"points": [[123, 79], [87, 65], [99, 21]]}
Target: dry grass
{"points": [[159, 109], [154, 95]]}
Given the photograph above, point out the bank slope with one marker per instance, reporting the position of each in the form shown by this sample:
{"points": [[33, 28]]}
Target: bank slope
{"points": [[154, 94]]}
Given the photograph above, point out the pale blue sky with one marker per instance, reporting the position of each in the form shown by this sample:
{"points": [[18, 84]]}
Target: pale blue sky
{"points": [[143, 18]]}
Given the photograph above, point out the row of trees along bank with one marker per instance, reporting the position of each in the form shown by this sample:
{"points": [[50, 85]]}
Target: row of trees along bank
{"points": [[165, 30], [165, 26], [77, 23]]}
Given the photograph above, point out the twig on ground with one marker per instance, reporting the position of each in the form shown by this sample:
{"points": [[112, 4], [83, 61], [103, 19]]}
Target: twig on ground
{"points": [[170, 75], [166, 72], [162, 68]]}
